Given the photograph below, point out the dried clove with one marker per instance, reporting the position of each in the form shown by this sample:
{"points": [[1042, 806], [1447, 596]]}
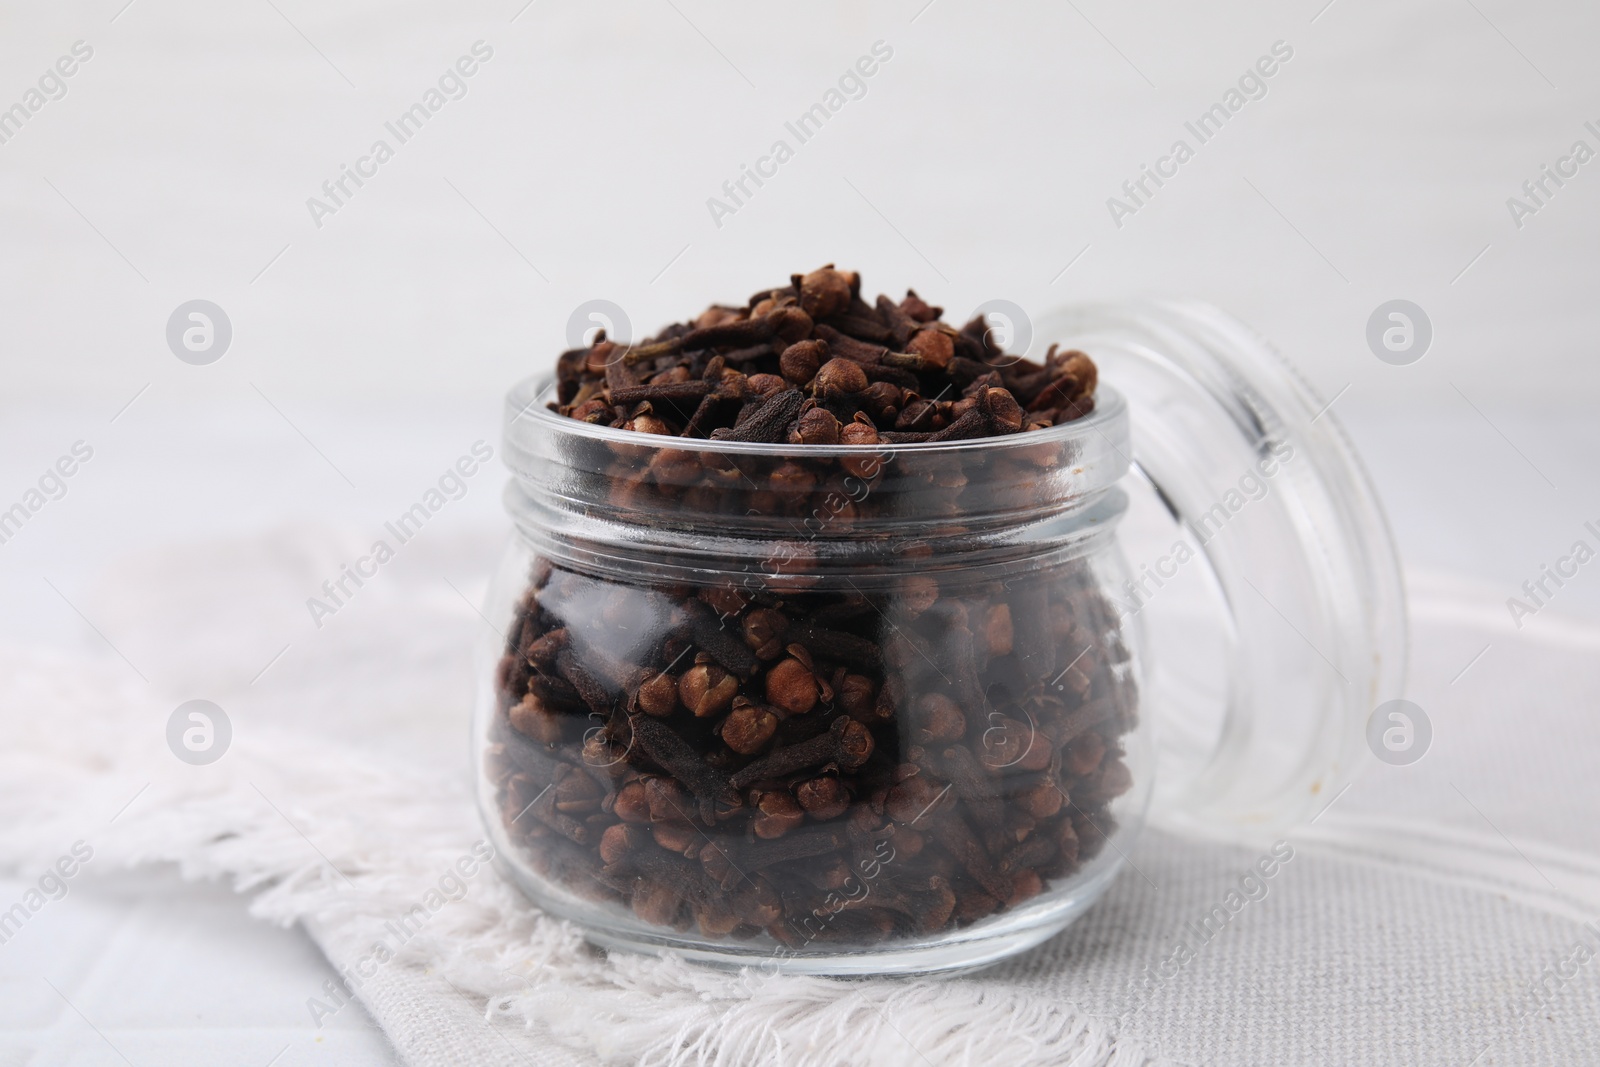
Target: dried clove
{"points": [[818, 338]]}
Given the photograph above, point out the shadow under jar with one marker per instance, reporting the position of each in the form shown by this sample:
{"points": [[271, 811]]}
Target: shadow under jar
{"points": [[853, 710]]}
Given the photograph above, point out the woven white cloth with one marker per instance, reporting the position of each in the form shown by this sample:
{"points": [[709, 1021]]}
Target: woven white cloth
{"points": [[1441, 913]]}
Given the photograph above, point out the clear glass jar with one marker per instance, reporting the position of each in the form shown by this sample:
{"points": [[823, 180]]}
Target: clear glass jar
{"points": [[888, 710]]}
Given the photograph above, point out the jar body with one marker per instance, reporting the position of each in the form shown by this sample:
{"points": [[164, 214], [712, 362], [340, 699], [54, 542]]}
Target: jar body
{"points": [[895, 734]]}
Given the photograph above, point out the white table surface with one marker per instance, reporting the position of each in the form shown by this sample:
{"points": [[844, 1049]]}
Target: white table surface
{"points": [[149, 970]]}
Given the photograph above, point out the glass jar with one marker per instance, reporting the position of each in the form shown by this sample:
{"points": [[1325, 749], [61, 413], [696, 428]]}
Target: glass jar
{"points": [[894, 709]]}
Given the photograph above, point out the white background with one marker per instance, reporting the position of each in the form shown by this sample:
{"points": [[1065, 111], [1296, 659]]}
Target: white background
{"points": [[593, 138]]}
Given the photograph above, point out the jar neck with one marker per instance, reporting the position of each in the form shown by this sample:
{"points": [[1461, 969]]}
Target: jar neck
{"points": [[836, 553], [622, 492]]}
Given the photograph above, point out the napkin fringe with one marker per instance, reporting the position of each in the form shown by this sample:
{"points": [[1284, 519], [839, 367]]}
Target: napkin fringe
{"points": [[365, 854]]}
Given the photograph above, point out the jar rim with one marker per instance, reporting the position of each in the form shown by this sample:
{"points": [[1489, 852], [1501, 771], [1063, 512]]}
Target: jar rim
{"points": [[527, 400], [578, 484]]}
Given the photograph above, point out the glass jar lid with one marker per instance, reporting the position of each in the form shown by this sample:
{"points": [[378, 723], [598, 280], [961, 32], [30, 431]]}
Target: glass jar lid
{"points": [[1263, 575]]}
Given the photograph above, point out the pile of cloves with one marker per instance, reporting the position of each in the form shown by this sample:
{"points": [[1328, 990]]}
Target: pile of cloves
{"points": [[812, 363], [827, 768]]}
